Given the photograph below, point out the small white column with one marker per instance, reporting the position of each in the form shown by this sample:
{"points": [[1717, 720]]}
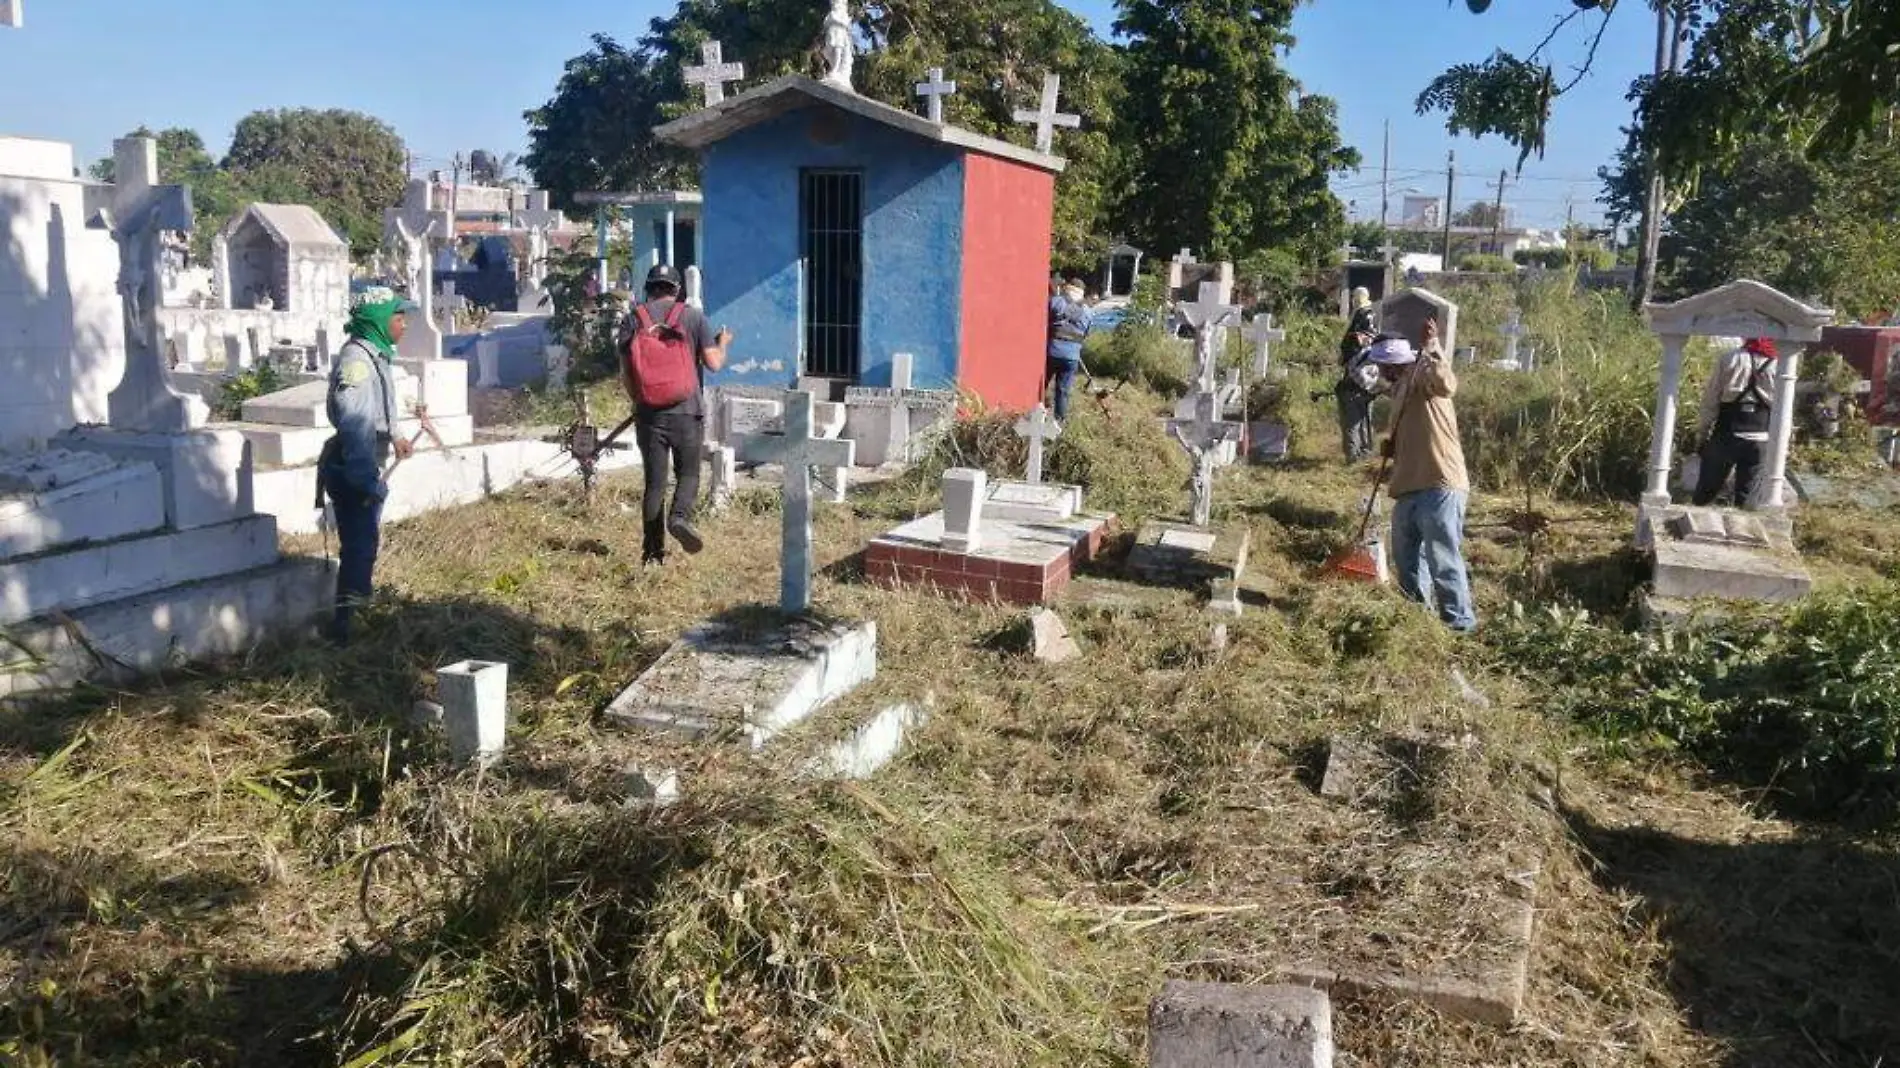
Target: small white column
{"points": [[1771, 492], [1662, 436], [671, 259], [221, 271]]}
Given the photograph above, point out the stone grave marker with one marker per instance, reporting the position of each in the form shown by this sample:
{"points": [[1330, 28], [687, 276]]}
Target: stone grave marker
{"points": [[1405, 312], [559, 361], [964, 490], [1264, 336], [1513, 332], [1207, 317], [714, 72], [1037, 426], [1203, 437], [474, 697], [1216, 1025], [487, 364], [798, 450], [885, 421]]}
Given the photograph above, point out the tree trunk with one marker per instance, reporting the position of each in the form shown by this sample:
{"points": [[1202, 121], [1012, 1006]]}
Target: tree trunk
{"points": [[1650, 242]]}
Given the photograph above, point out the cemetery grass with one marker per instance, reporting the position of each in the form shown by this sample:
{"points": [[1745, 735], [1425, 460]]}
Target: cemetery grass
{"points": [[268, 863]]}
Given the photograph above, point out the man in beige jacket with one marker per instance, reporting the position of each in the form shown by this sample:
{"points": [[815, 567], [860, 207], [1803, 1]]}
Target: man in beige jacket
{"points": [[1429, 486]]}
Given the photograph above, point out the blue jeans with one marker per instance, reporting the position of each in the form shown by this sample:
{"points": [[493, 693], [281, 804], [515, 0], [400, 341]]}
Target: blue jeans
{"points": [[1428, 528], [1062, 373], [359, 538]]}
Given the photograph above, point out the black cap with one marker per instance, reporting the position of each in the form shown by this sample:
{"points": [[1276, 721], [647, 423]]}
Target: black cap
{"points": [[663, 275]]}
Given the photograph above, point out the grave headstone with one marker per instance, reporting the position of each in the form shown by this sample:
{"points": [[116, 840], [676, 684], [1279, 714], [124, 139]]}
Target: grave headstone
{"points": [[488, 364], [798, 450], [1405, 312], [1038, 426], [1212, 1025], [964, 490], [1202, 437], [723, 479], [1264, 336], [1207, 317]]}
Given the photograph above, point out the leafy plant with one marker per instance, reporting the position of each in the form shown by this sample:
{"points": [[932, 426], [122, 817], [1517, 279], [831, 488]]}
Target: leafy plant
{"points": [[260, 380]]}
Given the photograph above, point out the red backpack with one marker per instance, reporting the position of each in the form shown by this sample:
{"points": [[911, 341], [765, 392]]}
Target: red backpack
{"points": [[665, 369]]}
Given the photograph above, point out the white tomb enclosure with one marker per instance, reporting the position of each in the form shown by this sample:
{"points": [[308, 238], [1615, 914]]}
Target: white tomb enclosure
{"points": [[1405, 313], [1739, 309], [280, 271], [133, 545], [62, 344]]}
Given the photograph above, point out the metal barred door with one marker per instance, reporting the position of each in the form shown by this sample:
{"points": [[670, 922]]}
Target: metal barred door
{"points": [[832, 217]]}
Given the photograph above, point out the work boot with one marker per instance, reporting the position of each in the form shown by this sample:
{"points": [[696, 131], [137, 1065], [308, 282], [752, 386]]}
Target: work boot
{"points": [[684, 533]]}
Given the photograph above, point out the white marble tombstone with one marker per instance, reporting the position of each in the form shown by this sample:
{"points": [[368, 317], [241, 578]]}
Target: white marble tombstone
{"points": [[964, 490]]}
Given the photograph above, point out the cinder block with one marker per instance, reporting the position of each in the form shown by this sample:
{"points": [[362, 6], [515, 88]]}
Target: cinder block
{"points": [[1215, 1025]]}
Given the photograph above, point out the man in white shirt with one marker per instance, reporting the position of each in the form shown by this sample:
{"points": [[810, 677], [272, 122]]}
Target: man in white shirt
{"points": [[1733, 422]]}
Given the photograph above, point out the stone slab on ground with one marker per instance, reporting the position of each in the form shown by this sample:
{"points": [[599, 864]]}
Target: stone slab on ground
{"points": [[871, 744], [1017, 563], [1037, 502], [225, 616], [126, 499], [1177, 554], [1873, 489], [1496, 999], [724, 679], [295, 446], [1691, 570], [75, 578], [1220, 1025]]}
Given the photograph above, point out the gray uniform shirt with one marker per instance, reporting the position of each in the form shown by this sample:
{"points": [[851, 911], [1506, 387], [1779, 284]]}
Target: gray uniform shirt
{"points": [[362, 407]]}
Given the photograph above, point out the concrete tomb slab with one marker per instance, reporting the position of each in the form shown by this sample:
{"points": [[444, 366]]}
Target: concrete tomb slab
{"points": [[1176, 554], [122, 500], [1720, 553], [748, 682], [1027, 502], [68, 579], [870, 746], [204, 475], [1218, 1025]]}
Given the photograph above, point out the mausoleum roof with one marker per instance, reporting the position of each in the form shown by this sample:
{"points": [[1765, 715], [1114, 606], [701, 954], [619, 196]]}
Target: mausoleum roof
{"points": [[290, 224], [793, 92]]}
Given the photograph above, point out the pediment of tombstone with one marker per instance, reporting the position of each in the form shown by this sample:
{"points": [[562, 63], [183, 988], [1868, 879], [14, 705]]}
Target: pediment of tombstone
{"points": [[1744, 308]]}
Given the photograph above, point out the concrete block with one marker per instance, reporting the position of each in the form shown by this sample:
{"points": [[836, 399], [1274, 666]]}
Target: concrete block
{"points": [[721, 680], [870, 746], [1038, 502], [1018, 563], [1049, 638], [442, 385], [1215, 1025], [127, 499], [964, 491], [295, 446], [474, 697], [206, 475], [652, 786], [119, 641], [1689, 570], [88, 575]]}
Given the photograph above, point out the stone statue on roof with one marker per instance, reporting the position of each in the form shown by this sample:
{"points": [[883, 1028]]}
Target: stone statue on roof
{"points": [[837, 46]]}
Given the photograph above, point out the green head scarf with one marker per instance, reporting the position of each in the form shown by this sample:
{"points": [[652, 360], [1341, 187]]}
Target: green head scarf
{"points": [[371, 312]]}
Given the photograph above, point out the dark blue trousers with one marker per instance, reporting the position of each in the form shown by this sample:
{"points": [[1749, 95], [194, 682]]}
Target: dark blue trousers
{"points": [[359, 536]]}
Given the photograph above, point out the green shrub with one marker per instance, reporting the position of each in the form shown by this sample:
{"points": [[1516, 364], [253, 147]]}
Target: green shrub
{"points": [[1804, 702], [259, 381], [1485, 263]]}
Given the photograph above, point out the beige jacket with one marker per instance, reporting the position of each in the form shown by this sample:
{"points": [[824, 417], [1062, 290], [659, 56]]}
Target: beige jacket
{"points": [[1427, 453], [1727, 383]]}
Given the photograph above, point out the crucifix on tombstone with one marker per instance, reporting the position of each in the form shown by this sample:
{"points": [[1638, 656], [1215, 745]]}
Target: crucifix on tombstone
{"points": [[1513, 330], [715, 72], [1207, 317], [1202, 437], [933, 89], [1046, 117], [1038, 426], [141, 214], [798, 450], [1264, 336]]}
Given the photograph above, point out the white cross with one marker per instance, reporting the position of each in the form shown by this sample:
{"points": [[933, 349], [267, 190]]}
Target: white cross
{"points": [[1202, 437], [1264, 336], [1046, 118], [1386, 250], [713, 76], [1037, 426], [1185, 257], [1207, 317], [1512, 330], [798, 450], [933, 90]]}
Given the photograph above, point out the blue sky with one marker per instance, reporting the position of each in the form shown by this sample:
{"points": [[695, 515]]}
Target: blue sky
{"points": [[457, 74]]}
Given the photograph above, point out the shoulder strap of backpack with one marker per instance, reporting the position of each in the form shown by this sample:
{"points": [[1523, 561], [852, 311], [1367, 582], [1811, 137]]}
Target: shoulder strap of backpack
{"points": [[643, 317], [674, 314]]}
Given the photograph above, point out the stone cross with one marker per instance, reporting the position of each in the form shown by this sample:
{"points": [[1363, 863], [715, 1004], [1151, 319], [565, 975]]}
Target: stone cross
{"points": [[1202, 437], [141, 212], [713, 76], [1387, 251], [1512, 330], [1264, 336], [798, 450], [933, 89], [1207, 316], [1046, 118], [1185, 257], [1037, 426]]}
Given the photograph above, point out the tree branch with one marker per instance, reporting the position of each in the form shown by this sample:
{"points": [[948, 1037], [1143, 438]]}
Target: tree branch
{"points": [[1588, 60], [1555, 30]]}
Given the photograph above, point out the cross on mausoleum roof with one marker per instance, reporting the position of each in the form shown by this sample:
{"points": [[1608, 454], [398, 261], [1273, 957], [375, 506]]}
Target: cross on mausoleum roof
{"points": [[933, 89], [1046, 118], [715, 72]]}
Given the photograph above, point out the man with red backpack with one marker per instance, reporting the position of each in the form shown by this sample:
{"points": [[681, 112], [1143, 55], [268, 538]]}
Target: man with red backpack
{"points": [[664, 348]]}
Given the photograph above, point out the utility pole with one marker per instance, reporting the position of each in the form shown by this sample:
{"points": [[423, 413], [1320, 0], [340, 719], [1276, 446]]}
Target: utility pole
{"points": [[1668, 54], [1451, 186], [1497, 215], [1385, 181], [455, 195]]}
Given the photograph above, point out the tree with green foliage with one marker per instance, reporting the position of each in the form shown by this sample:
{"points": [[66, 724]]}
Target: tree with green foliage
{"points": [[1223, 152], [595, 133], [350, 165]]}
